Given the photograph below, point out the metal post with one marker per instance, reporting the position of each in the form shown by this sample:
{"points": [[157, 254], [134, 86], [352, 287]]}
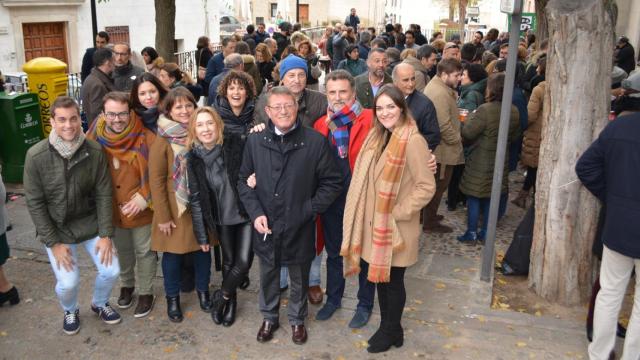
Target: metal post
{"points": [[488, 252], [297, 11], [94, 19]]}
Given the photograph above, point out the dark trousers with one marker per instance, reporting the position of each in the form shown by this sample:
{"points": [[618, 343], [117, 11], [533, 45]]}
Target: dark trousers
{"points": [[391, 298], [332, 229], [269, 295], [442, 182], [236, 255], [172, 271], [530, 179], [454, 195]]}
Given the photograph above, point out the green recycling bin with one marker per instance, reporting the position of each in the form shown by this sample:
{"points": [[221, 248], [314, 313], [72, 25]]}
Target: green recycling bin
{"points": [[20, 128]]}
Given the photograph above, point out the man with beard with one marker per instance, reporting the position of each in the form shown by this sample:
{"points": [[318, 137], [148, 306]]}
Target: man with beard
{"points": [[367, 84]]}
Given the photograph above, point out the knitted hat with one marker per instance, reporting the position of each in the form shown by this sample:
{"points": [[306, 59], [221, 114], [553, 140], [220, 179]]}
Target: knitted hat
{"points": [[292, 62]]}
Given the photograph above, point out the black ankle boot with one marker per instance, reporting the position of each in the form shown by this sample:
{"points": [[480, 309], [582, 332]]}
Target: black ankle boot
{"points": [[173, 308], [230, 311], [205, 301], [218, 308], [245, 283], [382, 340], [11, 296]]}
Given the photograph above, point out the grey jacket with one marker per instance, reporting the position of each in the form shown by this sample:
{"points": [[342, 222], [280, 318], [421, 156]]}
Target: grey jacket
{"points": [[94, 88]]}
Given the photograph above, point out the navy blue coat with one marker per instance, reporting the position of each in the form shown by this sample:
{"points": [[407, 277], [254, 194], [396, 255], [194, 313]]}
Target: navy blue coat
{"points": [[424, 113], [610, 169], [214, 67], [297, 179]]}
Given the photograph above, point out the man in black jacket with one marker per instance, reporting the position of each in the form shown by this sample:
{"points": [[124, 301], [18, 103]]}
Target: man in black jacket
{"points": [[625, 55], [282, 38], [297, 179], [102, 39], [422, 109], [609, 169]]}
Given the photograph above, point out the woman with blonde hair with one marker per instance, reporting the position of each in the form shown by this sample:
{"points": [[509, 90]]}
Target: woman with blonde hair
{"points": [[389, 186], [265, 62], [306, 51]]}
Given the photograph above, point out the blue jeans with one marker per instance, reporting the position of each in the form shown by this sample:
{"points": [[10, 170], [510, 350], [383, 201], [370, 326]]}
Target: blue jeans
{"points": [[67, 282], [474, 207], [314, 274], [366, 289], [172, 271]]}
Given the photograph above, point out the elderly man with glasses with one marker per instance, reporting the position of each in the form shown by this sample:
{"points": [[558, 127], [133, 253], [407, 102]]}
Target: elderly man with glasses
{"points": [[296, 179]]}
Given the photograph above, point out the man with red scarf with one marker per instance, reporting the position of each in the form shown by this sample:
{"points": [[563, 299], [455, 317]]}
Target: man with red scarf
{"points": [[125, 142], [346, 124]]}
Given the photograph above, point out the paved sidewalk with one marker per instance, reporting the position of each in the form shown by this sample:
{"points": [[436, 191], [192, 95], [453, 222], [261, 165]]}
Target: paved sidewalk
{"points": [[447, 315]]}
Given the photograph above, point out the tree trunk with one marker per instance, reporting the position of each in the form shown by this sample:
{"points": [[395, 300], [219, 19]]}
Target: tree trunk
{"points": [[575, 111], [542, 29], [452, 9], [165, 28]]}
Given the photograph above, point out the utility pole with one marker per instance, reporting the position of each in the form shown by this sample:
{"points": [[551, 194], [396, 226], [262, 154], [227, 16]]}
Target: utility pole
{"points": [[513, 7]]}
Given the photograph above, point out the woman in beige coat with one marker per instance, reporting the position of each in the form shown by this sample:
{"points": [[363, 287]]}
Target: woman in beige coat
{"points": [[390, 184], [172, 228]]}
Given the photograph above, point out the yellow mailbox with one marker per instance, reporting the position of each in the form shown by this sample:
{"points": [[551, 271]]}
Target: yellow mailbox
{"points": [[47, 78]]}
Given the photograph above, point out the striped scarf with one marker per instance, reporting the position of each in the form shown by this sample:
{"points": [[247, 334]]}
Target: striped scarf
{"points": [[385, 234], [176, 134], [339, 125], [129, 146], [64, 148]]}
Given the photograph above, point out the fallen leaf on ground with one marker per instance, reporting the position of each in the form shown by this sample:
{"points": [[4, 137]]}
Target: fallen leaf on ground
{"points": [[275, 341], [417, 301], [170, 349], [456, 270], [440, 286], [501, 282], [521, 344], [356, 331], [538, 313], [188, 314], [3, 333], [361, 344], [482, 318]]}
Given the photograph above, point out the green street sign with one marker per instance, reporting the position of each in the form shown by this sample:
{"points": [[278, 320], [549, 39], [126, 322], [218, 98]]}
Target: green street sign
{"points": [[529, 20]]}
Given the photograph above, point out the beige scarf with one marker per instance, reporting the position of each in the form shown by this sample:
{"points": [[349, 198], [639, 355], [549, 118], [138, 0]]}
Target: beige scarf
{"points": [[64, 148]]}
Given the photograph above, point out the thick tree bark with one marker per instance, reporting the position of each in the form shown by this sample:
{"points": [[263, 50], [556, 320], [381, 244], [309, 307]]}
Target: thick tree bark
{"points": [[165, 28], [542, 29], [575, 111]]}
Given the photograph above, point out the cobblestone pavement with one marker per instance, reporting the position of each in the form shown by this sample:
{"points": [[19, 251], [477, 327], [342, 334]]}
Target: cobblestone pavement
{"points": [[447, 315]]}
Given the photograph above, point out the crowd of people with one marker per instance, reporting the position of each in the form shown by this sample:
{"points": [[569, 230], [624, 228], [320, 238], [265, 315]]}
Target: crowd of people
{"points": [[274, 167]]}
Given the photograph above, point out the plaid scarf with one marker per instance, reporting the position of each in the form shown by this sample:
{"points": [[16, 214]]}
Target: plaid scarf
{"points": [[129, 146], [386, 238], [176, 135], [64, 148], [338, 123]]}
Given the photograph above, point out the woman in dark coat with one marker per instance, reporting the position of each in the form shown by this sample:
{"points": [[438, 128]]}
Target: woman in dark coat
{"points": [[481, 129], [213, 174], [203, 55], [265, 62]]}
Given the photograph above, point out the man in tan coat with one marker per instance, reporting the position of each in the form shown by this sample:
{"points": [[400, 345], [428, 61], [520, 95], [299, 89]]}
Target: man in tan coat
{"points": [[441, 91], [125, 142]]}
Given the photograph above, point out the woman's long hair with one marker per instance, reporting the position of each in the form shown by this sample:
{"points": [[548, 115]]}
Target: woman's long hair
{"points": [[379, 134], [135, 100], [175, 72]]}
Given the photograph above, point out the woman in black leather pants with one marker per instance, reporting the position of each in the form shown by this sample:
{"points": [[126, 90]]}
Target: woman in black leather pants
{"points": [[213, 174]]}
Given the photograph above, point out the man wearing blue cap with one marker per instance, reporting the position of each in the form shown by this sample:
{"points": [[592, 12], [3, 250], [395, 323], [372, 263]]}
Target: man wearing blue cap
{"points": [[293, 75]]}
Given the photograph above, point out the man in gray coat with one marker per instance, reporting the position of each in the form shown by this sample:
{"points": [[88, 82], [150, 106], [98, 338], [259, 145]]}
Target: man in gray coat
{"points": [[98, 84]]}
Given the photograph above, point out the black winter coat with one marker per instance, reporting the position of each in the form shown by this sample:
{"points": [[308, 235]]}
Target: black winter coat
{"points": [[202, 201], [610, 169], [296, 179], [424, 113]]}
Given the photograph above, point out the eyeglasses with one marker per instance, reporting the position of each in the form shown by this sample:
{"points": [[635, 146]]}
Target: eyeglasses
{"points": [[120, 54], [279, 108], [451, 46], [121, 115]]}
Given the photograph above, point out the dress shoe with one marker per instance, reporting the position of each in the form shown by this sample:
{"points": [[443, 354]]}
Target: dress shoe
{"points": [[326, 312], [298, 334], [145, 305], [173, 308], [125, 300], [315, 295], [245, 283], [219, 305], [229, 316], [205, 301], [11, 296], [437, 227], [266, 331], [468, 237], [360, 319]]}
